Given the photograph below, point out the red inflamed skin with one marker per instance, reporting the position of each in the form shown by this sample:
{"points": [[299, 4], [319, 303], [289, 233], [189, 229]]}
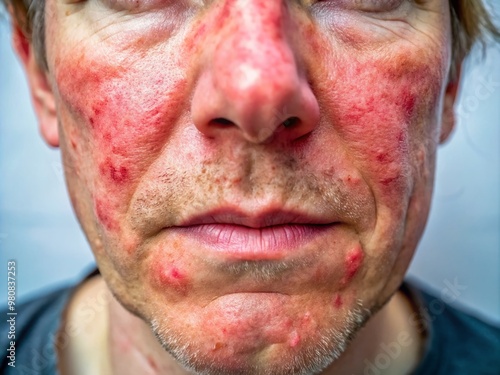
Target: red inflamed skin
{"points": [[256, 170]]}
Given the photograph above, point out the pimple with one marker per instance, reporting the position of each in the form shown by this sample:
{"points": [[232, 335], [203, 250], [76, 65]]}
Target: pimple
{"points": [[353, 261], [383, 157], [351, 181], [294, 339], [173, 278]]}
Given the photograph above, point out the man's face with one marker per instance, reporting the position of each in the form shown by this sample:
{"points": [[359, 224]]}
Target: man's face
{"points": [[253, 175]]}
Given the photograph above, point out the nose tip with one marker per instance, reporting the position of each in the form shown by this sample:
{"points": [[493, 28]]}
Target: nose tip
{"points": [[250, 81]]}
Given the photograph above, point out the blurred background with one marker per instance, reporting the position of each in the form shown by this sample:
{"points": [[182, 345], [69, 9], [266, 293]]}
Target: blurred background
{"points": [[458, 257]]}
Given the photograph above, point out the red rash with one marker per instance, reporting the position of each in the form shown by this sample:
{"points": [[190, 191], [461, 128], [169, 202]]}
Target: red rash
{"points": [[104, 213], [117, 174], [141, 101]]}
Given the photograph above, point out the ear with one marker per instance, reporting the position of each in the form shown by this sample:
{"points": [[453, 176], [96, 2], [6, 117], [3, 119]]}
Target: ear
{"points": [[41, 92], [448, 117]]}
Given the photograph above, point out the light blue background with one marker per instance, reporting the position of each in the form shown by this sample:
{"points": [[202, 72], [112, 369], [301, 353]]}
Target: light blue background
{"points": [[461, 244]]}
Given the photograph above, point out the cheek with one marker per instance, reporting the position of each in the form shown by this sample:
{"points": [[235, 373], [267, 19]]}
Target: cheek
{"points": [[383, 109], [122, 116]]}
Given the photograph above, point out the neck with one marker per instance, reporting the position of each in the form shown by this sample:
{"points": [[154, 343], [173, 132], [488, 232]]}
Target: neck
{"points": [[133, 347], [389, 344]]}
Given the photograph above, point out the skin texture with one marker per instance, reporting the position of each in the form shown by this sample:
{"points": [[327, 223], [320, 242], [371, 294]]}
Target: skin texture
{"points": [[167, 109]]}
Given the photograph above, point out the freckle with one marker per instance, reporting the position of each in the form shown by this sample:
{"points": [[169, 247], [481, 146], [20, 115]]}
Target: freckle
{"points": [[218, 345], [337, 301]]}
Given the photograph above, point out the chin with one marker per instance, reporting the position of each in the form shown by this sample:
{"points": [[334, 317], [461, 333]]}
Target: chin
{"points": [[255, 354]]}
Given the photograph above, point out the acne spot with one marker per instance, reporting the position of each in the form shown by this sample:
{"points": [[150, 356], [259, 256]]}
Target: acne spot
{"points": [[103, 213], [383, 157], [337, 301], [117, 174], [175, 279], [353, 262], [294, 339]]}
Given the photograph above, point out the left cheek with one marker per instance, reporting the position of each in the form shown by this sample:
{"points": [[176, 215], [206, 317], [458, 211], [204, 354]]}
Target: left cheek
{"points": [[388, 113]]}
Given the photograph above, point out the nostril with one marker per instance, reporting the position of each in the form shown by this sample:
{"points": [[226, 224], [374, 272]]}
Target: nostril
{"points": [[221, 121], [290, 122]]}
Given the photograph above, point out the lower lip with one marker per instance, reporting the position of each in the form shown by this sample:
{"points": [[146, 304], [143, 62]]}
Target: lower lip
{"points": [[244, 243]]}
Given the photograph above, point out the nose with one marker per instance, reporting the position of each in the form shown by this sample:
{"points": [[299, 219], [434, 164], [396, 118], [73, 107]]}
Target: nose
{"points": [[250, 80]]}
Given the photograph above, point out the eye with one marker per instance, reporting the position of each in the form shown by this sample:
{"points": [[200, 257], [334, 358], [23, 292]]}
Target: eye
{"points": [[368, 5], [123, 4], [137, 6]]}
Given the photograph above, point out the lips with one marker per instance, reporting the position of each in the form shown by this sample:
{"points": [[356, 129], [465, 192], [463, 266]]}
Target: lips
{"points": [[235, 235]]}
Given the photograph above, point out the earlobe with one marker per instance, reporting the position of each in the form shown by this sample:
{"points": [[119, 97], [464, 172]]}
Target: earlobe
{"points": [[448, 119], [41, 91]]}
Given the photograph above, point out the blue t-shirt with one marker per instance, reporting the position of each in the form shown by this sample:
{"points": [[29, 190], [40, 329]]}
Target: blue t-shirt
{"points": [[457, 343]]}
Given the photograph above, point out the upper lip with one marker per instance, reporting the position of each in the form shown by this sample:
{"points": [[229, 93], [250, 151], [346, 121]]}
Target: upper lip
{"points": [[256, 219]]}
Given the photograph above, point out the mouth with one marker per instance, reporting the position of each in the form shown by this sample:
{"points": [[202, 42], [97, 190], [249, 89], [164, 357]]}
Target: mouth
{"points": [[237, 236]]}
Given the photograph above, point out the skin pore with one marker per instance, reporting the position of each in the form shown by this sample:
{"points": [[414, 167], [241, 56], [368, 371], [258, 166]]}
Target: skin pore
{"points": [[241, 110]]}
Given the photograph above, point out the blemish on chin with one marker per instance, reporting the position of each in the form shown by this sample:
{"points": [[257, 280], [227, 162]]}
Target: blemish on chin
{"points": [[294, 339], [172, 277], [353, 261]]}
